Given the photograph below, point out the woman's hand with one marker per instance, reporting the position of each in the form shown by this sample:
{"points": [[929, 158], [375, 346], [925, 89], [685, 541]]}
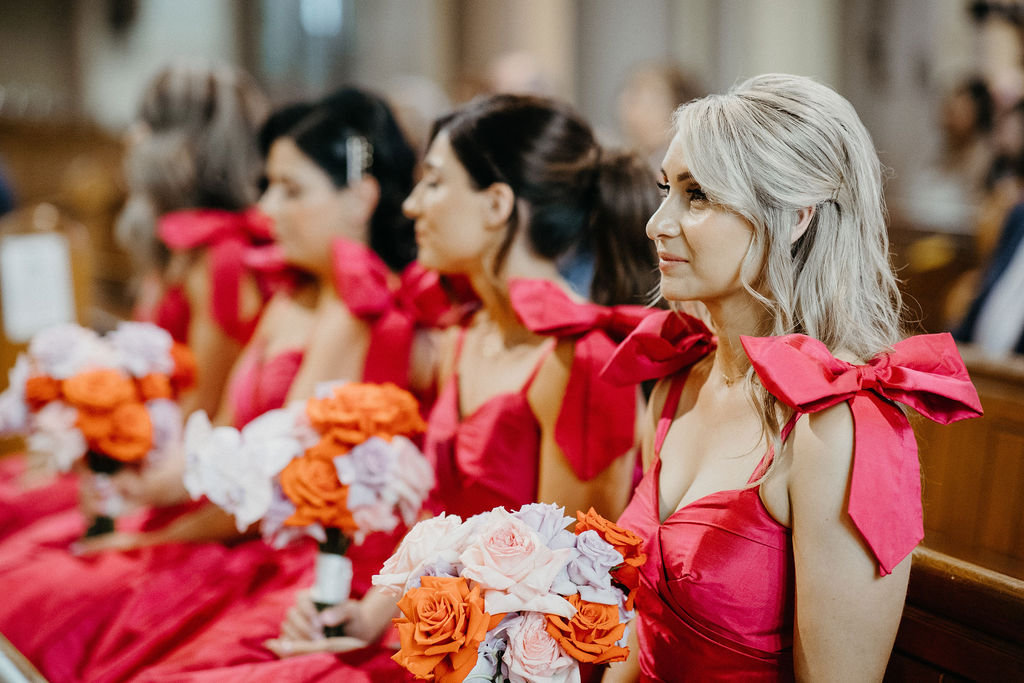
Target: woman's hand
{"points": [[115, 540], [302, 628], [364, 621]]}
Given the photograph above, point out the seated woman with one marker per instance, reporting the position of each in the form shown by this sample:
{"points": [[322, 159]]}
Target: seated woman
{"points": [[192, 166], [782, 496], [509, 184], [337, 170]]}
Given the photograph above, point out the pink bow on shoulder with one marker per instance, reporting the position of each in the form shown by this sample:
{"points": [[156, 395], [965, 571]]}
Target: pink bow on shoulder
{"points": [[924, 372]]}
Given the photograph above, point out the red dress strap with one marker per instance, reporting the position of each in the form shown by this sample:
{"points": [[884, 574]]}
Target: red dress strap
{"points": [[668, 411], [924, 372]]}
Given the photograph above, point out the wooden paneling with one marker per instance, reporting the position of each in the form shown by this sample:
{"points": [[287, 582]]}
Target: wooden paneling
{"points": [[973, 472]]}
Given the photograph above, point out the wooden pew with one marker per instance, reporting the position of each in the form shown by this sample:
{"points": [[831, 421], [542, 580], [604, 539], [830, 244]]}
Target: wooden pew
{"points": [[964, 617]]}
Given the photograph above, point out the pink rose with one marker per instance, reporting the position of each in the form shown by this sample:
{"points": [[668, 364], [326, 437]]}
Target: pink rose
{"points": [[439, 538], [533, 655], [514, 566]]}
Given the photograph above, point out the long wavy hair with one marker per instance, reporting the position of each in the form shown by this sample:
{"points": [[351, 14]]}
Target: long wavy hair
{"points": [[771, 146]]}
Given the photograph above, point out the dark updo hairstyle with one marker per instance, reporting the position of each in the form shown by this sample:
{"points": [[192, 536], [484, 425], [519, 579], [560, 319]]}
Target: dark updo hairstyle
{"points": [[322, 131], [578, 194]]}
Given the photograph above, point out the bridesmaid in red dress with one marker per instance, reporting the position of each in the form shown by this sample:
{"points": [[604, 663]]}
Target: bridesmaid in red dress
{"points": [[511, 184], [338, 172], [782, 496], [192, 166]]}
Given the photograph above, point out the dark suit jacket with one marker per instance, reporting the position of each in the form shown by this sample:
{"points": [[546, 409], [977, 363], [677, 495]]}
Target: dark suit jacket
{"points": [[1010, 240]]}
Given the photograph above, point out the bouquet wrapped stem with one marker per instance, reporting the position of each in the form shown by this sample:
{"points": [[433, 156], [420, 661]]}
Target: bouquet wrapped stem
{"points": [[103, 466], [333, 583]]}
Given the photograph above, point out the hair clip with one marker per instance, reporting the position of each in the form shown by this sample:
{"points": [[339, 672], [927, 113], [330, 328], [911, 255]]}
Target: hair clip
{"points": [[358, 156]]}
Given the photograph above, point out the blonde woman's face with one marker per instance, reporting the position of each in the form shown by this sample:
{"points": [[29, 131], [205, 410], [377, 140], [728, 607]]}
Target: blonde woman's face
{"points": [[452, 232], [701, 245], [307, 210]]}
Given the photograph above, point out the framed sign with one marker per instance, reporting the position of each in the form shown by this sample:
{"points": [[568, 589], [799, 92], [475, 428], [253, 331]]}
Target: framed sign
{"points": [[35, 283]]}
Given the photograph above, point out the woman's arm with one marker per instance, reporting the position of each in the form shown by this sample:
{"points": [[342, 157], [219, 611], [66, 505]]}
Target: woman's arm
{"points": [[609, 491], [629, 670], [214, 350], [207, 523], [846, 614]]}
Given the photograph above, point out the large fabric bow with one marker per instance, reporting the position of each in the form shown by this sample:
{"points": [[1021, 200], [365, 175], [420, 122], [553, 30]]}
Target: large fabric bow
{"points": [[597, 418], [923, 372], [393, 306], [664, 343], [229, 236]]}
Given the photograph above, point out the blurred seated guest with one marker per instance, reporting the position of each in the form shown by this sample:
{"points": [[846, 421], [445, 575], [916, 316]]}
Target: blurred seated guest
{"points": [[645, 105], [945, 194], [995, 319], [192, 166]]}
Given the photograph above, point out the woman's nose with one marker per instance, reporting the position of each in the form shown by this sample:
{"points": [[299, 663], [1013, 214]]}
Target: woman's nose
{"points": [[662, 225]]}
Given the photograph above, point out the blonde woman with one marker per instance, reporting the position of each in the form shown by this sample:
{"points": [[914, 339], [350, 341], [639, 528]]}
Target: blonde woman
{"points": [[781, 499]]}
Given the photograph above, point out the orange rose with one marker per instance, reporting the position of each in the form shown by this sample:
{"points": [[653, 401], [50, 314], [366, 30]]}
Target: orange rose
{"points": [[312, 485], [629, 545], [94, 424], [130, 436], [442, 624], [40, 390], [358, 411], [154, 386], [591, 634], [184, 375], [99, 389]]}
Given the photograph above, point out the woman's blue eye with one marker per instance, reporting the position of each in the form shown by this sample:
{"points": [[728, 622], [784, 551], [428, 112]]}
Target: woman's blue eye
{"points": [[696, 194], [663, 187]]}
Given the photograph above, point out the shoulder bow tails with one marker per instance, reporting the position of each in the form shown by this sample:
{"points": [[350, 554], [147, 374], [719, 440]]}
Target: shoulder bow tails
{"points": [[597, 418], [923, 372], [227, 235], [664, 343], [393, 306]]}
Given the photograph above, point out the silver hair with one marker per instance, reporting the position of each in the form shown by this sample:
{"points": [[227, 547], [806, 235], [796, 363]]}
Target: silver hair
{"points": [[770, 147]]}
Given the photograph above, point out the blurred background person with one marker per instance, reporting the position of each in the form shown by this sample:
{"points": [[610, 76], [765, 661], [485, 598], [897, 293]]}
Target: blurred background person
{"points": [[192, 166], [646, 102]]}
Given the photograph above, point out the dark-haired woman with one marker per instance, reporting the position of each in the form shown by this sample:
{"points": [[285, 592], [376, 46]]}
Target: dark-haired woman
{"points": [[511, 183], [337, 172]]}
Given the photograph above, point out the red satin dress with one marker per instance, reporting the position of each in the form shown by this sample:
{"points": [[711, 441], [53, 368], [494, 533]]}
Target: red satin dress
{"points": [[716, 596], [491, 456]]}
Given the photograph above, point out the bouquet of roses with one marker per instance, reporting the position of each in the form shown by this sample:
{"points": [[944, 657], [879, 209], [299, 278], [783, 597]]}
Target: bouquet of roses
{"points": [[336, 468], [513, 596], [108, 401]]}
